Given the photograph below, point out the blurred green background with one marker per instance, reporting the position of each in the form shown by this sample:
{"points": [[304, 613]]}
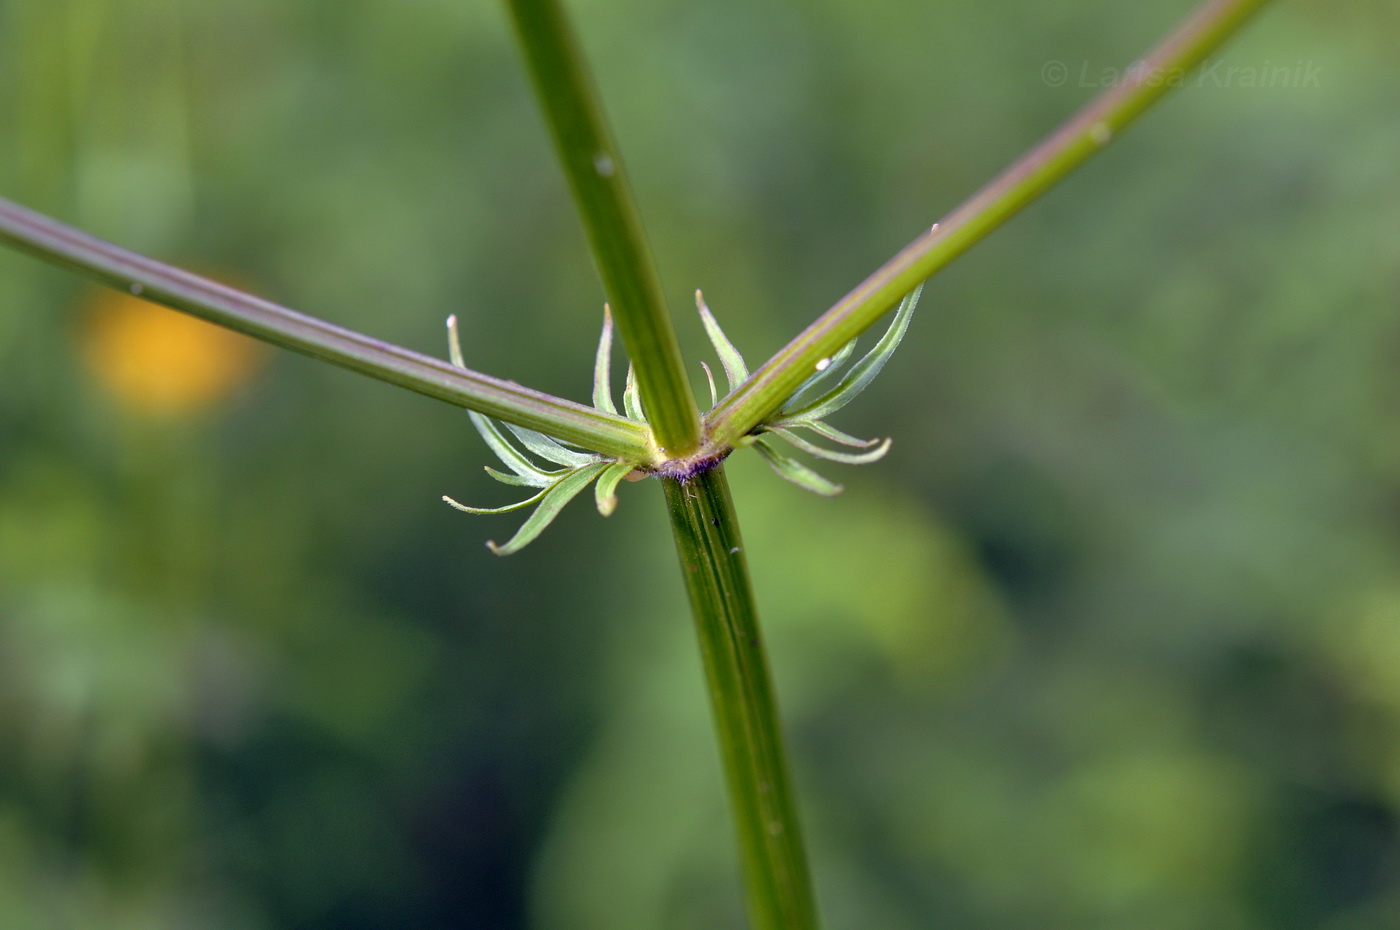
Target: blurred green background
{"points": [[1110, 640]]}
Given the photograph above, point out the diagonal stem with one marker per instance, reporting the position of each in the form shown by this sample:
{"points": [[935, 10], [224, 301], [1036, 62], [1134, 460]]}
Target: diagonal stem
{"points": [[593, 165], [742, 699], [63, 245], [1088, 131]]}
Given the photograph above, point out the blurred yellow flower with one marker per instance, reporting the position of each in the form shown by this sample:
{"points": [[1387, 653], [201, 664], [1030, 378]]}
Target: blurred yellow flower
{"points": [[161, 363]]}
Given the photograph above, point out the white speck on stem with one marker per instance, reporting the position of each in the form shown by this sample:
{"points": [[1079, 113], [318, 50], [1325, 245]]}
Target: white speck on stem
{"points": [[137, 289], [823, 364], [1100, 133], [933, 229], [603, 164]]}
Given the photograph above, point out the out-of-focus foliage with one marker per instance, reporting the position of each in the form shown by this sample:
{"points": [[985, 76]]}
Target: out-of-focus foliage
{"points": [[1109, 639]]}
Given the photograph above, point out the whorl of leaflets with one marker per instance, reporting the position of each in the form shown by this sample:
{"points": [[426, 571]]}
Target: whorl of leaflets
{"points": [[575, 469], [571, 470], [821, 395]]}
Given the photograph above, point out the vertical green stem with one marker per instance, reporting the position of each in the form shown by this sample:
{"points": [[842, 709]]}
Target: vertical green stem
{"points": [[741, 695], [593, 165]]}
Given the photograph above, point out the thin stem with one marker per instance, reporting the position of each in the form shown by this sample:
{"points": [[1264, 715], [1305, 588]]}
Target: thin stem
{"points": [[1088, 131], [593, 165], [741, 696], [152, 280]]}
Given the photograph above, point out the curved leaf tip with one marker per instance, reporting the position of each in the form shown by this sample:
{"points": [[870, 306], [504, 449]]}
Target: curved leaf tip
{"points": [[577, 469]]}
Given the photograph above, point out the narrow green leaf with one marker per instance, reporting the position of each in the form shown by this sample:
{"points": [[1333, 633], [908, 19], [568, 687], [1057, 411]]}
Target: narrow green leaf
{"points": [[549, 450], [631, 399], [602, 366], [607, 485], [825, 430], [865, 370], [552, 501], [513, 458], [824, 373], [735, 369], [522, 481], [506, 509], [831, 455], [710, 377], [792, 470], [454, 343]]}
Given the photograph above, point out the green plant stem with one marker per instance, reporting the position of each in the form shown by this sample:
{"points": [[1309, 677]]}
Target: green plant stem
{"points": [[152, 280], [741, 694], [1037, 171], [593, 165]]}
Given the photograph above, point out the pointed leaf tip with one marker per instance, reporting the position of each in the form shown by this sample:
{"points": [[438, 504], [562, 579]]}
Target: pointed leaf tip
{"points": [[710, 377], [454, 342], [826, 431], [486, 510], [602, 366], [832, 455], [736, 371], [523, 481]]}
